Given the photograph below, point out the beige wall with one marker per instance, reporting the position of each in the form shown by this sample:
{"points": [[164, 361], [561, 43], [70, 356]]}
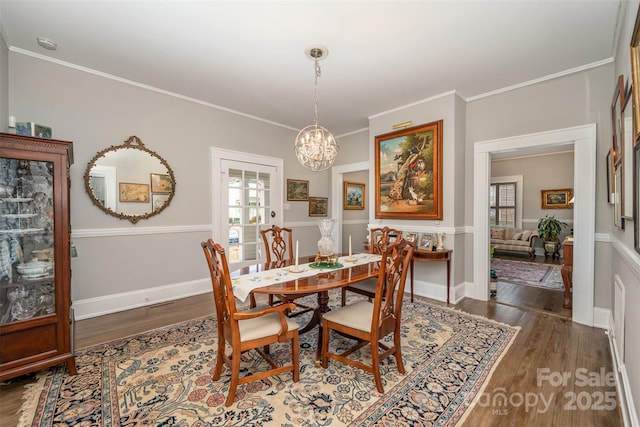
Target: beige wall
{"points": [[540, 172]]}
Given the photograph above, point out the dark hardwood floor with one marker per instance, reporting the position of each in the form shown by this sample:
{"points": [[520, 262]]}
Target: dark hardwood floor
{"points": [[545, 342], [529, 297]]}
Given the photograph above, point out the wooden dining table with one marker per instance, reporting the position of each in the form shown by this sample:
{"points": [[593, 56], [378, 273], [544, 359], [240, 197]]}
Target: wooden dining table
{"points": [[319, 283]]}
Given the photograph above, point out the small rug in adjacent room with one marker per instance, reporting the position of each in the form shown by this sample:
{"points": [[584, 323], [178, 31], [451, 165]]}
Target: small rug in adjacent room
{"points": [[545, 276], [163, 378]]}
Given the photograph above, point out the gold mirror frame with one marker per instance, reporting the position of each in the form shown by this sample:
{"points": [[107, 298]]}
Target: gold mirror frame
{"points": [[132, 143]]}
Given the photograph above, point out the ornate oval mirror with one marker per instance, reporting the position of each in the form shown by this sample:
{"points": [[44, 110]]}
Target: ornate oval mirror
{"points": [[129, 181]]}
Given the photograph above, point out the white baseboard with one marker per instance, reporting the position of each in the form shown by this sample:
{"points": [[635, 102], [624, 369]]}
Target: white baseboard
{"points": [[93, 307], [430, 290], [601, 317], [623, 387]]}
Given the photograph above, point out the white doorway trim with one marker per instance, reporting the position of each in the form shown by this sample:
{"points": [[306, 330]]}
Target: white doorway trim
{"points": [[337, 177], [583, 139]]}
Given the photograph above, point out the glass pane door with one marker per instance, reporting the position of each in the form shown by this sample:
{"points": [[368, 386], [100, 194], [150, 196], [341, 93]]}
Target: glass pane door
{"points": [[27, 282], [248, 206]]}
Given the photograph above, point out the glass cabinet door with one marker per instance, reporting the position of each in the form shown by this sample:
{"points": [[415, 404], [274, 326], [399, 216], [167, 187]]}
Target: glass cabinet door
{"points": [[27, 274]]}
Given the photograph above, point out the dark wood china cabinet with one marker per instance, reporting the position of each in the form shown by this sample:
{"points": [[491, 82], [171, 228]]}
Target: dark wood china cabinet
{"points": [[35, 268]]}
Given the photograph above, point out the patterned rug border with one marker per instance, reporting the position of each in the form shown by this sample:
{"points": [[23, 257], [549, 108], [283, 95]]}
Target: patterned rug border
{"points": [[522, 282], [487, 379], [34, 399]]}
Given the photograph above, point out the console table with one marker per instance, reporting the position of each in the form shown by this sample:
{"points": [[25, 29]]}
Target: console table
{"points": [[567, 270], [433, 256], [428, 256]]}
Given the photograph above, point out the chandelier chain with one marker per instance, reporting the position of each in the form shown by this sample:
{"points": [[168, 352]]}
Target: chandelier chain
{"points": [[318, 74], [315, 147]]}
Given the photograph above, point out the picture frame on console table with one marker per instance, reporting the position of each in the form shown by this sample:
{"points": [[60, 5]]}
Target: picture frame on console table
{"points": [[411, 237], [408, 173], [426, 242]]}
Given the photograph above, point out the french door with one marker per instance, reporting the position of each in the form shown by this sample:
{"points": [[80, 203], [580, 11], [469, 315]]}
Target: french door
{"points": [[247, 197]]}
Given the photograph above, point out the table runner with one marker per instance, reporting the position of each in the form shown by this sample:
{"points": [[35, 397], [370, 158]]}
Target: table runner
{"points": [[245, 283]]}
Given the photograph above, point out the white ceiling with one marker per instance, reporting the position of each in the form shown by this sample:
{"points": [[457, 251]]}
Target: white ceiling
{"points": [[248, 56]]}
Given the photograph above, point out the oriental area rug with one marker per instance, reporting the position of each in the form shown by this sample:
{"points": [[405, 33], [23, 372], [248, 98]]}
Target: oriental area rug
{"points": [[545, 276], [163, 378]]}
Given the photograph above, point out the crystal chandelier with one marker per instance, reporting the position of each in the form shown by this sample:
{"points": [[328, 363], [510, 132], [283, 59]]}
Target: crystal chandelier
{"points": [[315, 146]]}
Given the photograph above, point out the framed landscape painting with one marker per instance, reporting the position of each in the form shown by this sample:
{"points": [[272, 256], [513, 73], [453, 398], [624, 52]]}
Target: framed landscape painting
{"points": [[353, 195], [161, 183], [130, 192], [557, 199], [297, 190], [408, 173], [318, 206]]}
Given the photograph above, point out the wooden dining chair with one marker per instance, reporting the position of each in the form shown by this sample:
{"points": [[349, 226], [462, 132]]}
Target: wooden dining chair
{"points": [[369, 322], [278, 249], [246, 330], [379, 238]]}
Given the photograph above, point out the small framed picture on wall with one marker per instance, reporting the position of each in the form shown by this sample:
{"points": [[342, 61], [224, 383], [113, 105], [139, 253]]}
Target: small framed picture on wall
{"points": [[318, 206]]}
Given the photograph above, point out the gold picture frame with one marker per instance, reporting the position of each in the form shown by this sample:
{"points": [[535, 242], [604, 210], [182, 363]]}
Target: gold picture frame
{"points": [[353, 195], [408, 173], [557, 199], [617, 129], [161, 183], [132, 192], [411, 237], [610, 178]]}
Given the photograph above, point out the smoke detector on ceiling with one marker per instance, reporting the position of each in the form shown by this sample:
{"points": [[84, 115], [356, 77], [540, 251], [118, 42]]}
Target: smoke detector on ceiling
{"points": [[47, 43]]}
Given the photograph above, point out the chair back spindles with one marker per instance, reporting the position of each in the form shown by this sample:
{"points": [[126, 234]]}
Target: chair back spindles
{"points": [[379, 238], [277, 243], [390, 288], [220, 280]]}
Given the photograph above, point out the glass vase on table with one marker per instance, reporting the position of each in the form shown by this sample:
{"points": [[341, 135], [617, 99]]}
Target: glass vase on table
{"points": [[326, 244]]}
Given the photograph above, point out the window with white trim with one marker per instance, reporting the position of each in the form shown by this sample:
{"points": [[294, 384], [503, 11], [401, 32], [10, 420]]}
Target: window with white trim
{"points": [[502, 204]]}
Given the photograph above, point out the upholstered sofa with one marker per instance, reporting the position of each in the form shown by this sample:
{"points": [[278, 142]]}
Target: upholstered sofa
{"points": [[514, 240]]}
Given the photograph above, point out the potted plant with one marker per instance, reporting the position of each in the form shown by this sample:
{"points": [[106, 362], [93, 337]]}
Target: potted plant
{"points": [[549, 229]]}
